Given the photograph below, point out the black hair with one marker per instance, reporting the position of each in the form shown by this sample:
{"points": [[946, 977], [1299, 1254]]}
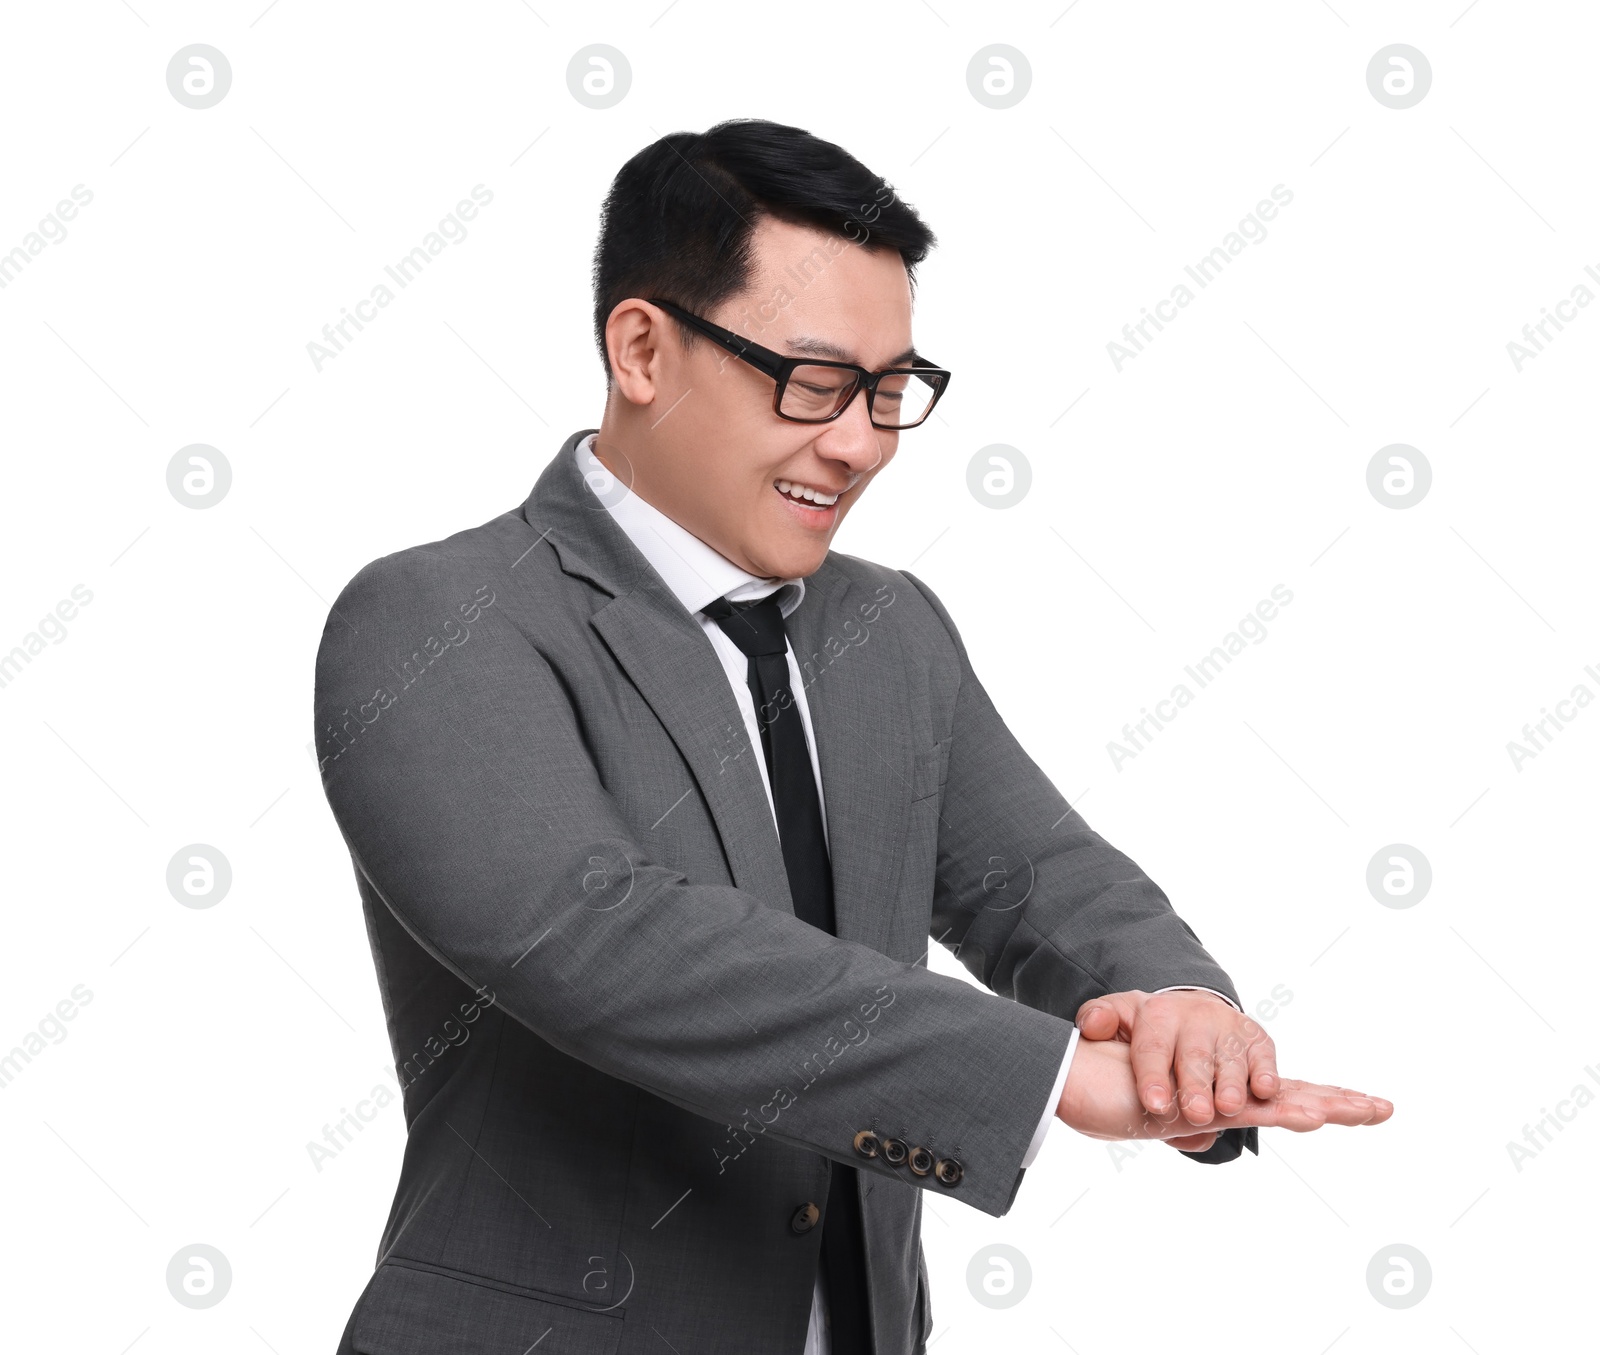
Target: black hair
{"points": [[678, 219]]}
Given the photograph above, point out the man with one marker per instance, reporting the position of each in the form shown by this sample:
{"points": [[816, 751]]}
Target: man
{"points": [[654, 802]]}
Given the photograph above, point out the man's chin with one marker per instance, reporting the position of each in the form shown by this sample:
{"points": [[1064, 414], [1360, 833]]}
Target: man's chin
{"points": [[795, 564]]}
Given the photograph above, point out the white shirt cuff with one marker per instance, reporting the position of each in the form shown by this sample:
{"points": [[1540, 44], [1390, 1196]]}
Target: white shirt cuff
{"points": [[1053, 1103], [1202, 988]]}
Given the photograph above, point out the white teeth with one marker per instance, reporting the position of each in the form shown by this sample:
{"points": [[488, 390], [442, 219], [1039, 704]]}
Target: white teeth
{"points": [[809, 495]]}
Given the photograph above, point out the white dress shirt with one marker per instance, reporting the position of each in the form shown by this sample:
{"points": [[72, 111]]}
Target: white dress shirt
{"points": [[697, 575]]}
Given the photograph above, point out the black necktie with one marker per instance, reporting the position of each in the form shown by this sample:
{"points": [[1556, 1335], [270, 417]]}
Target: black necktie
{"points": [[757, 628]]}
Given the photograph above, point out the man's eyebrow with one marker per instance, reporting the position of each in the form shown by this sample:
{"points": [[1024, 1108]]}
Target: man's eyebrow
{"points": [[822, 348]]}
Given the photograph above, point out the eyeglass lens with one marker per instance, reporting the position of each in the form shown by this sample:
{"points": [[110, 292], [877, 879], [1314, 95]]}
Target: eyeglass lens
{"points": [[817, 392]]}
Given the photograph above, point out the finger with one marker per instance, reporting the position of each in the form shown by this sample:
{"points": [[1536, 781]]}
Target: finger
{"points": [[1098, 1021], [1197, 1069], [1154, 1037], [1232, 1078], [1350, 1103], [1263, 1060], [1367, 1109], [1348, 1106], [1105, 1018], [1293, 1113], [1303, 1106], [1384, 1109], [1193, 1143]]}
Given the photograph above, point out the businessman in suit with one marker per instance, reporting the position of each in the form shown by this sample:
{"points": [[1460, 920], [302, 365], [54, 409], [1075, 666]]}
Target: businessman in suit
{"points": [[654, 802]]}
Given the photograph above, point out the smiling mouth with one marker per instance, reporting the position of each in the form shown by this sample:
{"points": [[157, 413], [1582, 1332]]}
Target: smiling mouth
{"points": [[806, 496]]}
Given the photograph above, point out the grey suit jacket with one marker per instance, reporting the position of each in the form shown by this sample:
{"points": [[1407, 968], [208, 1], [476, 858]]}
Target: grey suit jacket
{"points": [[626, 1061]]}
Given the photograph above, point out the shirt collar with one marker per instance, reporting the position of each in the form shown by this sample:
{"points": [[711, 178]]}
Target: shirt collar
{"points": [[696, 574]]}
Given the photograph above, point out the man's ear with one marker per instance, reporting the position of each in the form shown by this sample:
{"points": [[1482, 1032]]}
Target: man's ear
{"points": [[635, 334]]}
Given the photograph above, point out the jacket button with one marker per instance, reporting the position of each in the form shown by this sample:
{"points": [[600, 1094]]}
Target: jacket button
{"points": [[894, 1151], [920, 1161], [867, 1143], [805, 1218], [947, 1170]]}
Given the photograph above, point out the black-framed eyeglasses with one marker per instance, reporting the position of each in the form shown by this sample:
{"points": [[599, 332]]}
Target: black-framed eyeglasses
{"points": [[812, 390]]}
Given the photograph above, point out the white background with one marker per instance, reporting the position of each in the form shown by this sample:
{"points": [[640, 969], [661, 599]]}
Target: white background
{"points": [[1229, 456]]}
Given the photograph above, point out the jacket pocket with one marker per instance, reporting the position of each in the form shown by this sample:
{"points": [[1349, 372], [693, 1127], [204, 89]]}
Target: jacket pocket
{"points": [[413, 1308]]}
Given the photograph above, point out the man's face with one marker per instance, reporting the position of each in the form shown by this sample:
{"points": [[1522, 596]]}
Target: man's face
{"points": [[711, 453]]}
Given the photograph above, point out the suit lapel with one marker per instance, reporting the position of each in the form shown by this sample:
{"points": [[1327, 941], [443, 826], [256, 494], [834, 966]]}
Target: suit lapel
{"points": [[856, 694], [671, 662]]}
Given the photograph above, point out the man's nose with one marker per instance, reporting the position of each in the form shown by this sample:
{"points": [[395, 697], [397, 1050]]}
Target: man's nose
{"points": [[853, 440]]}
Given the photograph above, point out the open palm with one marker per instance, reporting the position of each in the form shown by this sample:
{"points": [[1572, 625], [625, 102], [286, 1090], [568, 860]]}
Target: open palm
{"points": [[1100, 1101]]}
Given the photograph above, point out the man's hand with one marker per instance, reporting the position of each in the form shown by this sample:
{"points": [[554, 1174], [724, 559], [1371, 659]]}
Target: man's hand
{"points": [[1223, 1060], [1194, 1032], [1099, 1100]]}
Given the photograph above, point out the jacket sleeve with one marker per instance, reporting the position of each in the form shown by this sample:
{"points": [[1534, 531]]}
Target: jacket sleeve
{"points": [[470, 802], [1034, 903]]}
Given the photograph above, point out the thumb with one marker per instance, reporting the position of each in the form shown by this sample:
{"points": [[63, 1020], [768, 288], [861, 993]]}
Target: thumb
{"points": [[1194, 1143], [1098, 1021]]}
